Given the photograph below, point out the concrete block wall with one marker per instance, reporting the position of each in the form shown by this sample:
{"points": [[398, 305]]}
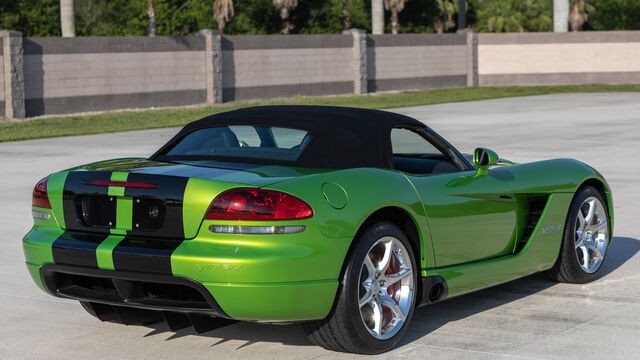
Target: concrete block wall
{"points": [[67, 75], [267, 66], [416, 61], [1, 78], [559, 58], [104, 73]]}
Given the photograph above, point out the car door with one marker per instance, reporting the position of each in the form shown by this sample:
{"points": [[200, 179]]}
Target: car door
{"points": [[472, 215]]}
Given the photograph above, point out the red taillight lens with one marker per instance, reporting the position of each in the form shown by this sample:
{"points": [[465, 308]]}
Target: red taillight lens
{"points": [[257, 204], [40, 197]]}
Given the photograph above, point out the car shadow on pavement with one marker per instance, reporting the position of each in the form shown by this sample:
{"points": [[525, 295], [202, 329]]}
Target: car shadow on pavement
{"points": [[426, 319], [622, 249], [248, 333], [429, 318]]}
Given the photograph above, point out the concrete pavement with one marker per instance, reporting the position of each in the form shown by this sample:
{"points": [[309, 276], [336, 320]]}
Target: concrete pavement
{"points": [[530, 318]]}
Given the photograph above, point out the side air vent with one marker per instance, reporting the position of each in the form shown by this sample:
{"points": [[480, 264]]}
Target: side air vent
{"points": [[535, 206]]}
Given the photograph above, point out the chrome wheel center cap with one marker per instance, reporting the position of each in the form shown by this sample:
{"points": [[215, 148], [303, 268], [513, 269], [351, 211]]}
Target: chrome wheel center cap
{"points": [[376, 287]]}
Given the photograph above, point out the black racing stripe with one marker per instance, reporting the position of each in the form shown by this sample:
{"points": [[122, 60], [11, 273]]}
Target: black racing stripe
{"points": [[74, 187], [73, 248], [171, 191], [144, 255]]}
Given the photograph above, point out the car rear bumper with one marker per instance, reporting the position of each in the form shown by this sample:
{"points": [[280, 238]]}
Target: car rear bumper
{"points": [[137, 290], [281, 279]]}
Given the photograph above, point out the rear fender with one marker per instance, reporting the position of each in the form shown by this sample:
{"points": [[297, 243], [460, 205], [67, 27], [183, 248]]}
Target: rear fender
{"points": [[366, 190]]}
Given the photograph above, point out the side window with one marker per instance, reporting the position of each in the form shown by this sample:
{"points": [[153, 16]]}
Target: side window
{"points": [[289, 138], [414, 154], [247, 135], [407, 142]]}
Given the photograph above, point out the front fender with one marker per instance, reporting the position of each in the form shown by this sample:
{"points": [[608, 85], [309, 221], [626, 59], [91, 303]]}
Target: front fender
{"points": [[549, 176], [557, 176]]}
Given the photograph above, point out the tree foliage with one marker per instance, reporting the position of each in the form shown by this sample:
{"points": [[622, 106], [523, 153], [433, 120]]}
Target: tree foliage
{"points": [[513, 15], [105, 17], [615, 15], [183, 17], [443, 17], [285, 7], [31, 17]]}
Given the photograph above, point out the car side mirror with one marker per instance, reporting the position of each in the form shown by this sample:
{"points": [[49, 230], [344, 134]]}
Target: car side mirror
{"points": [[483, 157]]}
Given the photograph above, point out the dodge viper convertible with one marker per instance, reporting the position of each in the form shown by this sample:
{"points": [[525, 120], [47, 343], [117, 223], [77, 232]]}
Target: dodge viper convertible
{"points": [[344, 220]]}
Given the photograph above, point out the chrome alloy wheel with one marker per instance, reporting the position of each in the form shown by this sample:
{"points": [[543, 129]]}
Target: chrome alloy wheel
{"points": [[592, 234], [386, 288]]}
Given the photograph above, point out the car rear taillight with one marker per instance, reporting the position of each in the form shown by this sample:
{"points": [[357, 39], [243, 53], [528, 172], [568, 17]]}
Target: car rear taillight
{"points": [[257, 204], [40, 197]]}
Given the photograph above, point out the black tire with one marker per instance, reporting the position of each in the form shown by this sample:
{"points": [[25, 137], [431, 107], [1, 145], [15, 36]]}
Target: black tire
{"points": [[567, 268], [344, 330]]}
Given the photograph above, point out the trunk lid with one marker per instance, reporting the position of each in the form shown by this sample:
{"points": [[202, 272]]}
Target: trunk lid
{"points": [[138, 197]]}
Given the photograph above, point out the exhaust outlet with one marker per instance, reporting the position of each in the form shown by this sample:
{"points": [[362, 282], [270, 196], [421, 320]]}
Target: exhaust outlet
{"points": [[434, 289]]}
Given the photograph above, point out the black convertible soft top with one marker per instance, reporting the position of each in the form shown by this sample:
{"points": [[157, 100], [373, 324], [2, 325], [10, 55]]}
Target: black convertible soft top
{"points": [[342, 137]]}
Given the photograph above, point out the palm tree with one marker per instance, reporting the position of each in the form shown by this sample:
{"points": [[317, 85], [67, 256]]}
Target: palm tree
{"points": [[223, 12], [396, 7], [443, 21], [346, 15], [151, 13], [377, 17], [67, 18], [579, 13], [285, 7], [560, 15]]}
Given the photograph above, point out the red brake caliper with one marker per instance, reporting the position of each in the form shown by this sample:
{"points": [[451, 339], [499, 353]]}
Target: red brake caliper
{"points": [[394, 268]]}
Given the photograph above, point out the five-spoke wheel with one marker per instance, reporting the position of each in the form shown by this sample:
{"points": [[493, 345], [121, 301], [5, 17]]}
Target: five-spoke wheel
{"points": [[386, 290], [586, 238], [592, 234], [377, 294]]}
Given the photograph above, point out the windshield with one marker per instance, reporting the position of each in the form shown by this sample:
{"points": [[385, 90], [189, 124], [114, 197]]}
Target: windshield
{"points": [[257, 142]]}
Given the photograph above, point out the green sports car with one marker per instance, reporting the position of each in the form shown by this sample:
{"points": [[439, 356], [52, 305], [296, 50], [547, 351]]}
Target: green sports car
{"points": [[341, 219]]}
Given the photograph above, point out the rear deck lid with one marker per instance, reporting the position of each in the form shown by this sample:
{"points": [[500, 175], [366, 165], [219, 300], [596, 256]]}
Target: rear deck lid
{"points": [[137, 197]]}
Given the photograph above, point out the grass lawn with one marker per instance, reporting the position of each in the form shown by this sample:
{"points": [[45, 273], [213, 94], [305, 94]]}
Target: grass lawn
{"points": [[168, 117]]}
